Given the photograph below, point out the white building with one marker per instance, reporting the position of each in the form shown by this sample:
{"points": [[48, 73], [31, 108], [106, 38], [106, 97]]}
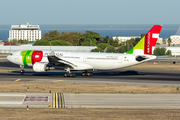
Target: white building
{"points": [[124, 38], [160, 41], [175, 39], [25, 32]]}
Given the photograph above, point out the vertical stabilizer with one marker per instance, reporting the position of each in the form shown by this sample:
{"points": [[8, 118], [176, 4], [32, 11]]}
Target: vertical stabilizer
{"points": [[145, 45]]}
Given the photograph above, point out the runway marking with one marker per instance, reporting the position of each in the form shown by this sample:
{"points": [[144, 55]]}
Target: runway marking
{"points": [[53, 100], [58, 100], [58, 80], [11, 97], [17, 80], [36, 98]]}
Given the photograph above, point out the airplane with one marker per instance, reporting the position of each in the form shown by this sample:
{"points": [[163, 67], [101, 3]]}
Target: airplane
{"points": [[44, 60]]}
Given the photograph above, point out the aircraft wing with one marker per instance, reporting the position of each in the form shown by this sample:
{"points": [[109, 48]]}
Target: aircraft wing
{"points": [[54, 59], [75, 65]]}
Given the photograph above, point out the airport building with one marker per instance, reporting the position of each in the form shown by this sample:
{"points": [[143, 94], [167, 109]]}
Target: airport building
{"points": [[160, 41], [175, 39], [125, 38], [25, 32]]}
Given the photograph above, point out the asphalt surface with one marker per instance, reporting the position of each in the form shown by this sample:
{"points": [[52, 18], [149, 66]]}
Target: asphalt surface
{"points": [[120, 76], [35, 100], [2, 57], [135, 101]]}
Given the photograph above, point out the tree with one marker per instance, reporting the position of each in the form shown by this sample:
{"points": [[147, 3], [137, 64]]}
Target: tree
{"points": [[159, 51], [168, 52], [111, 49], [14, 41], [103, 45], [51, 35], [42, 42], [60, 43], [91, 37], [115, 43], [122, 49], [142, 35], [71, 37], [97, 50], [169, 41], [106, 40], [136, 41]]}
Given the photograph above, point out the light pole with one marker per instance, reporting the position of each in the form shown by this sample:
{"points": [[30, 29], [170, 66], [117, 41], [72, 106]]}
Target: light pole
{"points": [[50, 45]]}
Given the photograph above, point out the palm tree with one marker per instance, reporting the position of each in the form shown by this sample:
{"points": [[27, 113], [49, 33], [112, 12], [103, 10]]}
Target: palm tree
{"points": [[169, 41]]}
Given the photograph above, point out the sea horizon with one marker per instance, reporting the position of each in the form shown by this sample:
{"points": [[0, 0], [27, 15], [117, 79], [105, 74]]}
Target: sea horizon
{"points": [[104, 30]]}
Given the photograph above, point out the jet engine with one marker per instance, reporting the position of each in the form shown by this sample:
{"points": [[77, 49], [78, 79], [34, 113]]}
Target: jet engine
{"points": [[40, 67]]}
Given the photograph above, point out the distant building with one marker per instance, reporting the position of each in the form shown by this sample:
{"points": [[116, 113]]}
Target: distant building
{"points": [[175, 39], [2, 43], [25, 32], [160, 41], [124, 38]]}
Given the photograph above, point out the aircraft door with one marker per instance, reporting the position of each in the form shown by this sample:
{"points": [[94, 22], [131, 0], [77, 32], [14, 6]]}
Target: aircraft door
{"points": [[120, 59], [84, 59], [16, 56]]}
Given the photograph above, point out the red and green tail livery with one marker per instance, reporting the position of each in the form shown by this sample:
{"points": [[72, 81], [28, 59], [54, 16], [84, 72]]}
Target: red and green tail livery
{"points": [[146, 44], [29, 57]]}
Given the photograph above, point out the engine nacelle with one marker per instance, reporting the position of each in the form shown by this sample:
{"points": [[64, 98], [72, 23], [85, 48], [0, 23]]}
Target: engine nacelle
{"points": [[40, 67]]}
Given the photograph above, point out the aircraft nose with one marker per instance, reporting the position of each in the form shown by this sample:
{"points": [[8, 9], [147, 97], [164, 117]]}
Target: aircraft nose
{"points": [[8, 58]]}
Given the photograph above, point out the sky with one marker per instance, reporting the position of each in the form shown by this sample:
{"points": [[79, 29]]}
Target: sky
{"points": [[89, 12]]}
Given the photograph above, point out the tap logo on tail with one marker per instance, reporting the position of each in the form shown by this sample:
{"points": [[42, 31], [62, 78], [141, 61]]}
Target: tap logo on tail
{"points": [[145, 45]]}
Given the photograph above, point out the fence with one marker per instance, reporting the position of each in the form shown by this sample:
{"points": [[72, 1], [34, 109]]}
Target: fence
{"points": [[9, 49]]}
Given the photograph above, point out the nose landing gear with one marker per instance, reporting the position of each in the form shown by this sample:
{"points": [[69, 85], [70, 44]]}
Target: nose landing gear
{"points": [[22, 69]]}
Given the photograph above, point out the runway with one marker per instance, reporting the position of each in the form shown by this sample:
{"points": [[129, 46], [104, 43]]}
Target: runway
{"points": [[3, 57], [119, 76], [65, 100], [122, 76], [84, 100]]}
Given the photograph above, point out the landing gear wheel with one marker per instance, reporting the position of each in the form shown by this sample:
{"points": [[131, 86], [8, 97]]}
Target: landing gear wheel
{"points": [[91, 73], [22, 71], [83, 73], [66, 74], [69, 75], [87, 74], [74, 75]]}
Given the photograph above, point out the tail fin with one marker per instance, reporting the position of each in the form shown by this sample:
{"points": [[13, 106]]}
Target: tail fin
{"points": [[144, 46]]}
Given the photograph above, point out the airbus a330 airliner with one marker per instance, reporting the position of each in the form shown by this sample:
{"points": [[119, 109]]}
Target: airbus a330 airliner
{"points": [[70, 61]]}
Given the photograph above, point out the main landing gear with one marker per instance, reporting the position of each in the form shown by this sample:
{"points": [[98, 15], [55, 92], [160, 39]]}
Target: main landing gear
{"points": [[69, 74], [87, 73], [22, 69]]}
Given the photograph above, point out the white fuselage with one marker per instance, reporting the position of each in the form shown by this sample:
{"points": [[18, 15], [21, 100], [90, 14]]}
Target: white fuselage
{"points": [[87, 60]]}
